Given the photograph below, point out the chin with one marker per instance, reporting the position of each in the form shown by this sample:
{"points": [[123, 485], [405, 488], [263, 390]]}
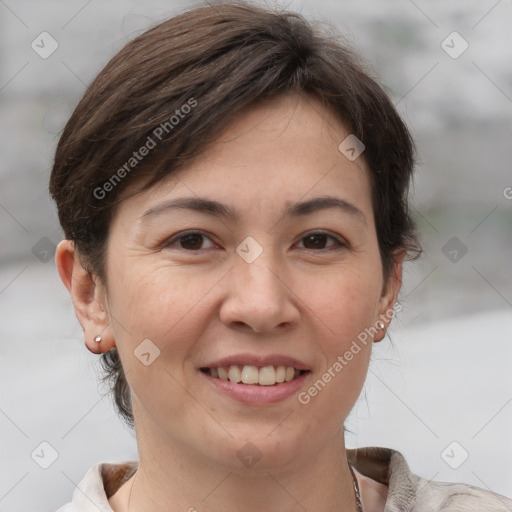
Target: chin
{"points": [[258, 450]]}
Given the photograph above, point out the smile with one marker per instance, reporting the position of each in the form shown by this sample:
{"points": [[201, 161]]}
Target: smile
{"points": [[254, 375]]}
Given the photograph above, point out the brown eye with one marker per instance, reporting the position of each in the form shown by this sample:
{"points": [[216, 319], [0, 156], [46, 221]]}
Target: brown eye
{"points": [[319, 241], [192, 241]]}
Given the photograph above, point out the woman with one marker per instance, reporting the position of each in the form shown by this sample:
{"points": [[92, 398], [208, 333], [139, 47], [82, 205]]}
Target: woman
{"points": [[233, 193]]}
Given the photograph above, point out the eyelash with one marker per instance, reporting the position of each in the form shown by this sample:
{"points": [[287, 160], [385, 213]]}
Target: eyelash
{"points": [[168, 244]]}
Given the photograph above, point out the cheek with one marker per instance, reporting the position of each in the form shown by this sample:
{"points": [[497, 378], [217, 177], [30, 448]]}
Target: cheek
{"points": [[341, 311], [155, 299], [345, 303], [168, 306], [344, 309]]}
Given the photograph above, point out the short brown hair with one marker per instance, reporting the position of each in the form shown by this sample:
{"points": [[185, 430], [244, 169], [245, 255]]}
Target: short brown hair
{"points": [[205, 67]]}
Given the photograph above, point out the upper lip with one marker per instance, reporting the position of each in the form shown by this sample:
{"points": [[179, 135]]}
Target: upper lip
{"points": [[257, 360]]}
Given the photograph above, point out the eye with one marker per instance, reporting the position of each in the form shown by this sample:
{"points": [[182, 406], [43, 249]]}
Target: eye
{"points": [[318, 241], [189, 241], [193, 241]]}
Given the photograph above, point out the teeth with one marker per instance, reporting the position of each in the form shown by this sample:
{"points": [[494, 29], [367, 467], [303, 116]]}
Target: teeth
{"points": [[267, 376], [234, 374], [248, 374]]}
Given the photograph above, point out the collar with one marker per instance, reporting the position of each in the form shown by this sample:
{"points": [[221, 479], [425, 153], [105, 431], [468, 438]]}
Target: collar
{"points": [[407, 492], [387, 467], [381, 464]]}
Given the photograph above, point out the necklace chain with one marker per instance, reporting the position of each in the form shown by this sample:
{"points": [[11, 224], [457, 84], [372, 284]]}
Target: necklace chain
{"points": [[356, 490], [130, 495]]}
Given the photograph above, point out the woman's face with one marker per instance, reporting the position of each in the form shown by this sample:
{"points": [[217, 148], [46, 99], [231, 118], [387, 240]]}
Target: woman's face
{"points": [[234, 262]]}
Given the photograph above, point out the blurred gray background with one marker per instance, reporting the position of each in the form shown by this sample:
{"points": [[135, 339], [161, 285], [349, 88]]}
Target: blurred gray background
{"points": [[441, 392]]}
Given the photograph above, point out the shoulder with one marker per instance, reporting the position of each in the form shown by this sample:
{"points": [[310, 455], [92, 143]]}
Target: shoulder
{"points": [[451, 497], [408, 492], [99, 483]]}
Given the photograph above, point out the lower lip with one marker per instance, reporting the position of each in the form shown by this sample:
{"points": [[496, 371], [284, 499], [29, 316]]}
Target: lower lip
{"points": [[258, 395]]}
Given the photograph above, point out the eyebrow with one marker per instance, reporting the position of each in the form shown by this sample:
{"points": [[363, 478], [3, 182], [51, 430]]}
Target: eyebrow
{"points": [[217, 209]]}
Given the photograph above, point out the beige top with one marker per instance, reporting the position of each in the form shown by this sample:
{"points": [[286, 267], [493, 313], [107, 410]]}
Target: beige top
{"points": [[407, 492]]}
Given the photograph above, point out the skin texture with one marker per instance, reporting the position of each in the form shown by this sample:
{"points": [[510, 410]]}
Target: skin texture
{"points": [[198, 301]]}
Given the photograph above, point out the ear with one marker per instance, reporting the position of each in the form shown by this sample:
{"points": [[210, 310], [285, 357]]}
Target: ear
{"points": [[88, 296], [389, 294]]}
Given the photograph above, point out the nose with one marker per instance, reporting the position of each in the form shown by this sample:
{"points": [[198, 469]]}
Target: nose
{"points": [[258, 298]]}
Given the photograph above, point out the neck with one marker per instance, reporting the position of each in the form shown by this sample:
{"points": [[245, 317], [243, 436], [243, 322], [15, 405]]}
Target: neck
{"points": [[178, 479]]}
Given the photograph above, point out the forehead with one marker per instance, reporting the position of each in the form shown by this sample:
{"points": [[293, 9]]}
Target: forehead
{"points": [[279, 152]]}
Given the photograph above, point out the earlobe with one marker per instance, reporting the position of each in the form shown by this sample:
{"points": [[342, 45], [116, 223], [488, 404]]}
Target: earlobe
{"points": [[88, 296], [389, 295]]}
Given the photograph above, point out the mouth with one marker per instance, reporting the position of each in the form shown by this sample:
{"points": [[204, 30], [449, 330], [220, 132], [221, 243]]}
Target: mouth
{"points": [[255, 375]]}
